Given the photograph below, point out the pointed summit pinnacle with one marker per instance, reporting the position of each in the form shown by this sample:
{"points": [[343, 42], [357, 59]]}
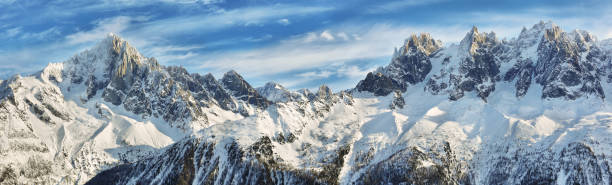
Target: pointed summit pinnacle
{"points": [[474, 30]]}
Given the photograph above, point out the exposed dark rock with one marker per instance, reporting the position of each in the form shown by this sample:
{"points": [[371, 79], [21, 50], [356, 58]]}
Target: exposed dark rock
{"points": [[223, 98], [242, 90], [560, 66], [576, 162], [523, 73], [325, 93], [566, 65], [409, 65], [407, 167], [398, 101], [379, 84], [180, 163], [481, 68]]}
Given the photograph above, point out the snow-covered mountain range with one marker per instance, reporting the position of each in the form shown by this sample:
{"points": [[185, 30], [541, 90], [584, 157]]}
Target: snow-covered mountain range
{"points": [[530, 110]]}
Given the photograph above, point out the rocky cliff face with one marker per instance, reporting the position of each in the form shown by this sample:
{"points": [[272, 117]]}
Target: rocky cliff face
{"points": [[240, 89], [409, 66]]}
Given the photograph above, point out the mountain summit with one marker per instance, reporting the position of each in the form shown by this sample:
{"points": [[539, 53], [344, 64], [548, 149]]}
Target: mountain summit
{"points": [[529, 110]]}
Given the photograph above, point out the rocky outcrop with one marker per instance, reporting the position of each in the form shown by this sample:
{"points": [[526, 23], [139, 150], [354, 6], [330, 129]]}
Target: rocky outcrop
{"points": [[574, 164], [413, 166], [193, 161], [216, 91], [565, 64], [277, 93], [379, 84], [408, 66], [242, 90]]}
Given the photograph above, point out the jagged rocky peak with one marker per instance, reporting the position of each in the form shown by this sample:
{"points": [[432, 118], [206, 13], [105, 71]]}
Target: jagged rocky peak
{"points": [[584, 39], [275, 92], [236, 84], [273, 85], [129, 58], [232, 76], [553, 33], [112, 61], [474, 40], [307, 94], [530, 37], [422, 43], [242, 90], [567, 65], [324, 92], [216, 91], [409, 66], [126, 57]]}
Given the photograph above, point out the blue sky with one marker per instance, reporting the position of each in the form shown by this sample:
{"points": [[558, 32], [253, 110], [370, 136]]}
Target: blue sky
{"points": [[300, 44]]}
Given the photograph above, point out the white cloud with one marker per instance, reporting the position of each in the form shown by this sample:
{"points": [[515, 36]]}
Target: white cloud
{"points": [[102, 28], [9, 33], [353, 71], [284, 22], [19, 33], [315, 74], [336, 76], [43, 35], [343, 36], [169, 53], [170, 48], [327, 35], [322, 36], [175, 57]]}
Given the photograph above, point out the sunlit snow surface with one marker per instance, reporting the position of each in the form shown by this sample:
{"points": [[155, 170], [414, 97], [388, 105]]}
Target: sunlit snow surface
{"points": [[472, 127]]}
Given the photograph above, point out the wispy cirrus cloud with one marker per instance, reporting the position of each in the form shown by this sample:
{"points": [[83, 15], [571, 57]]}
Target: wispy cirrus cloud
{"points": [[315, 74], [319, 48], [43, 35], [12, 32], [150, 35], [396, 5], [227, 18], [102, 28], [284, 22], [337, 76]]}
